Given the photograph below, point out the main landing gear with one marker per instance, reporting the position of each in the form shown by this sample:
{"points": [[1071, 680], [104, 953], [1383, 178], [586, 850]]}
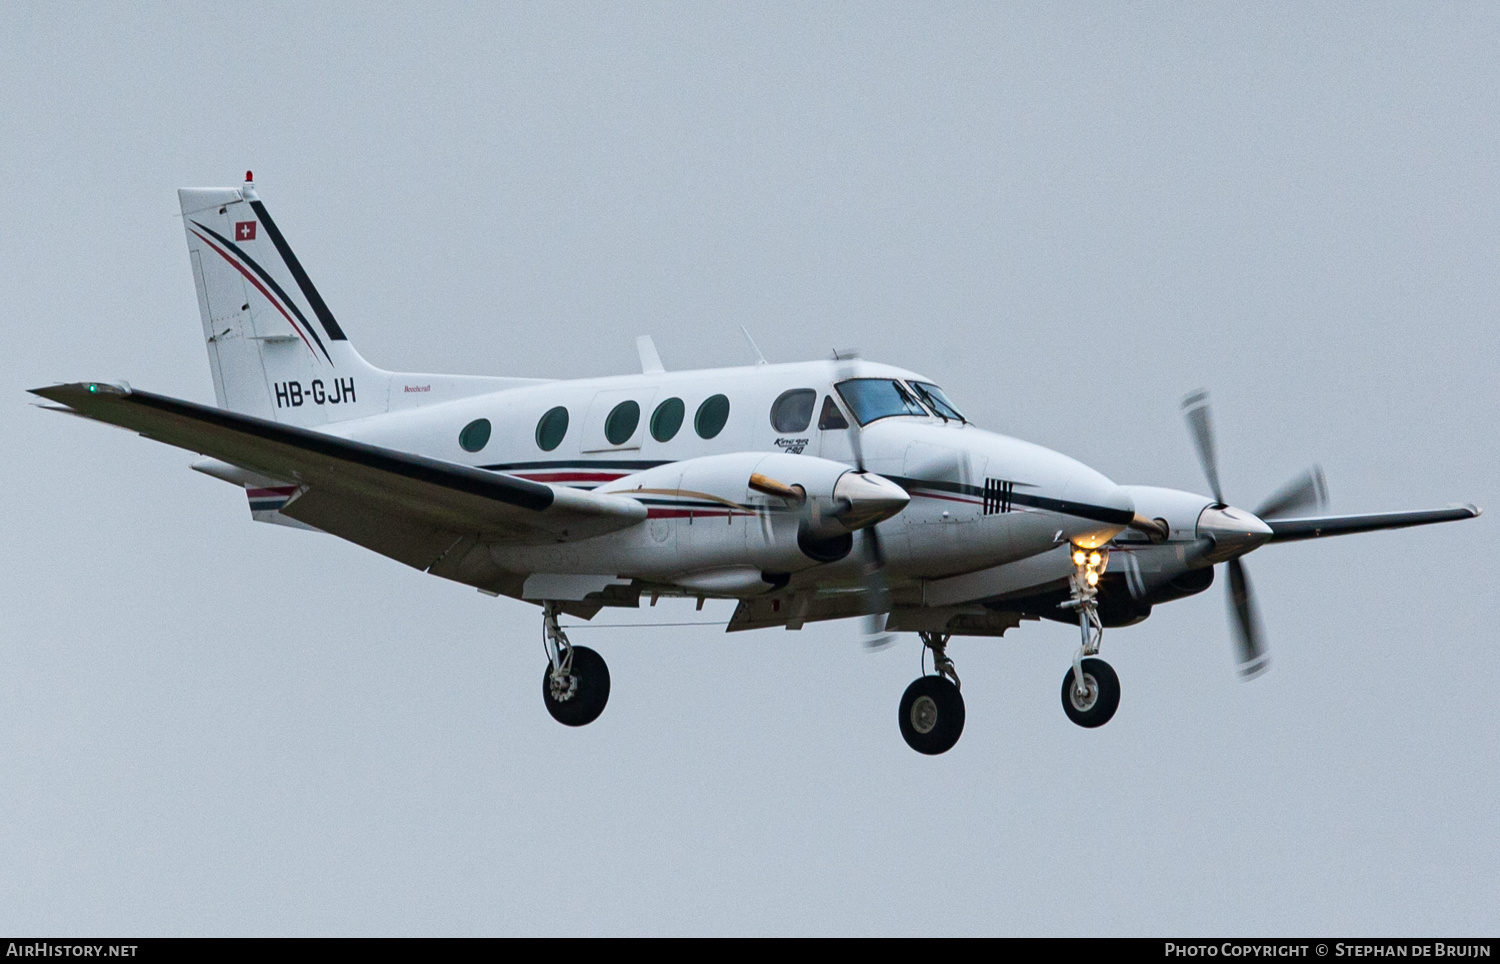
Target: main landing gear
{"points": [[1090, 690], [932, 709], [575, 686]]}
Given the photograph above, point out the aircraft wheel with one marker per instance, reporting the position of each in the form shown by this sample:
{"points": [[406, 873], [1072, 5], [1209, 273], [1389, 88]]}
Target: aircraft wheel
{"points": [[581, 697], [932, 715], [1101, 696]]}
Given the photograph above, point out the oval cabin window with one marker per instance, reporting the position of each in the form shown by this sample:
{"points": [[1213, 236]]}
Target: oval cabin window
{"points": [[551, 429], [621, 423], [792, 411], [712, 415], [475, 436], [667, 419]]}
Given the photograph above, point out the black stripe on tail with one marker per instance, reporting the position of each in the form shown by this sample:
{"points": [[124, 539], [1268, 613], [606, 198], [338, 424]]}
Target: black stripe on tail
{"points": [[303, 281]]}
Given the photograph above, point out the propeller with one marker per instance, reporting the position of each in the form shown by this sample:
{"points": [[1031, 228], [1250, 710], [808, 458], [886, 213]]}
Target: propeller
{"points": [[1249, 638], [872, 568], [829, 522], [1308, 490], [1200, 422]]}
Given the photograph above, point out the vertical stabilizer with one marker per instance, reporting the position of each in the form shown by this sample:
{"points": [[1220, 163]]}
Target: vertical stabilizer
{"points": [[275, 348]]}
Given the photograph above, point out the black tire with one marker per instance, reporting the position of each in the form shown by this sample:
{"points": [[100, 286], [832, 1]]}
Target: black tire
{"points": [[1104, 698], [589, 680], [932, 715]]}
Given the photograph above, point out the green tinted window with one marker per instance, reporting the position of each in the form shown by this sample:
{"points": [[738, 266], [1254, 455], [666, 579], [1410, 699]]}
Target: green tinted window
{"points": [[476, 435], [667, 419], [551, 429], [712, 415], [621, 423]]}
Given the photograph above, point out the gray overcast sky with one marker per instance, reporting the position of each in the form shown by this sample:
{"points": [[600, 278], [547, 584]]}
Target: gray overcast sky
{"points": [[1069, 216]]}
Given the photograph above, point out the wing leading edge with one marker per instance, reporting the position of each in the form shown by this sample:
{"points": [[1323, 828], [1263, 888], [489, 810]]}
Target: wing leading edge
{"points": [[402, 505]]}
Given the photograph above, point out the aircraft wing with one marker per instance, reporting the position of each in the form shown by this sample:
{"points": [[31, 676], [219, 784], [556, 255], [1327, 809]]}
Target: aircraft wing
{"points": [[1292, 530], [405, 506]]}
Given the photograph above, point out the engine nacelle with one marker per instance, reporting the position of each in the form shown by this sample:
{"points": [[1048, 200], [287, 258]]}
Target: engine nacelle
{"points": [[1179, 510], [773, 512], [1180, 567]]}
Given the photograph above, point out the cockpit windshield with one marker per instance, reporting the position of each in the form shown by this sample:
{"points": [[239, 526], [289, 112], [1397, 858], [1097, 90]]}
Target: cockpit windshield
{"points": [[873, 398], [936, 400]]}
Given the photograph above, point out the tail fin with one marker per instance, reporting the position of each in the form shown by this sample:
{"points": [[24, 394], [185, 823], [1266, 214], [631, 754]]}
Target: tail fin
{"points": [[274, 347]]}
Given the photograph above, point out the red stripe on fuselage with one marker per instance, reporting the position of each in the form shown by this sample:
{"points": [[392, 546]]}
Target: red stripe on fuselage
{"points": [[261, 288]]}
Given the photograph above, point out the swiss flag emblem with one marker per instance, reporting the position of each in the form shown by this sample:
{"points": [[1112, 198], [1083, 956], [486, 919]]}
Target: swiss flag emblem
{"points": [[244, 230]]}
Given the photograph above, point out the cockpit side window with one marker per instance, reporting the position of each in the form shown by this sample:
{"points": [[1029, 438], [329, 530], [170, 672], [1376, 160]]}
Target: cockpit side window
{"points": [[875, 398], [831, 418], [937, 401], [792, 411]]}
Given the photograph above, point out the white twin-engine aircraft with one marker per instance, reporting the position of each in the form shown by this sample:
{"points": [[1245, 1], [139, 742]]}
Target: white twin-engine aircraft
{"points": [[806, 491]]}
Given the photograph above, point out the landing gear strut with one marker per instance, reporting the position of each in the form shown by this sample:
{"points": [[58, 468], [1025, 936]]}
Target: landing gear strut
{"points": [[1090, 690], [575, 686], [932, 709]]}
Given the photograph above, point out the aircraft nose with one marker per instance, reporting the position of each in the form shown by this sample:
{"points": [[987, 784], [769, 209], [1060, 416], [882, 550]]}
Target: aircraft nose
{"points": [[1234, 532], [1101, 508]]}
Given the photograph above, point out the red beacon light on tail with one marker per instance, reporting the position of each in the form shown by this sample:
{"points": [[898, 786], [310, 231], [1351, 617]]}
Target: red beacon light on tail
{"points": [[249, 176]]}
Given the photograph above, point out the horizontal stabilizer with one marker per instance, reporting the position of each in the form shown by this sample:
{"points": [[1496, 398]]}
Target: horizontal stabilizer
{"points": [[357, 484], [1292, 530]]}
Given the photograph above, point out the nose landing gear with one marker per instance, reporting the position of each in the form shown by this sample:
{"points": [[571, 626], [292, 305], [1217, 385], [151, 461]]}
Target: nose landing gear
{"points": [[932, 709], [1090, 690], [575, 686]]}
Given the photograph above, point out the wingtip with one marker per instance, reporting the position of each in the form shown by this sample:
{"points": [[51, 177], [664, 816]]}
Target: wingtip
{"points": [[49, 392], [63, 391]]}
